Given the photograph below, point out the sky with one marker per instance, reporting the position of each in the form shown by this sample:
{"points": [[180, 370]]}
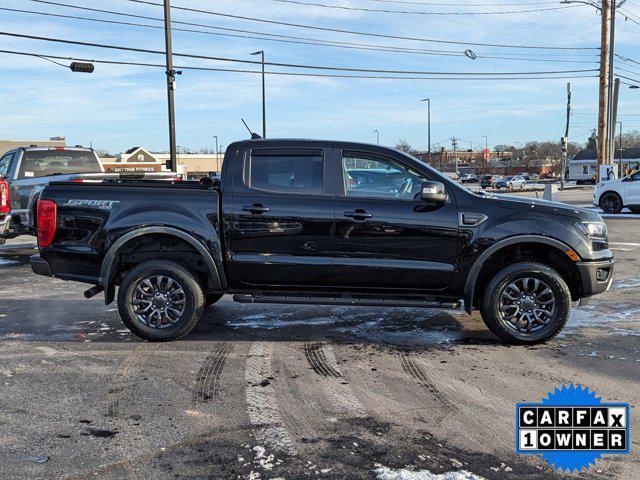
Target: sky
{"points": [[120, 106]]}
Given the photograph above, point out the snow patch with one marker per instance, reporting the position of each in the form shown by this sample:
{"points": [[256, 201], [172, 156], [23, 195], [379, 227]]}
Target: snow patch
{"points": [[386, 473], [270, 323], [5, 262], [589, 317], [628, 283]]}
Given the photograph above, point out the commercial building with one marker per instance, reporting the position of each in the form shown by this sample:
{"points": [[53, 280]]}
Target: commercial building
{"points": [[6, 145], [138, 159]]}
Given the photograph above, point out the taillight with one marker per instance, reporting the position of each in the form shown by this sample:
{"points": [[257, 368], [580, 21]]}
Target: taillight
{"points": [[47, 220], [5, 204], [76, 180]]}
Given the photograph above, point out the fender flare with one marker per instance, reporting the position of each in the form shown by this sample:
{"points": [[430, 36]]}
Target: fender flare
{"points": [[108, 264], [474, 272]]}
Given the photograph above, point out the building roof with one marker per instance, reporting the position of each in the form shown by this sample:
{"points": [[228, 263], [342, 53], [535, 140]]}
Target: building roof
{"points": [[590, 154]]}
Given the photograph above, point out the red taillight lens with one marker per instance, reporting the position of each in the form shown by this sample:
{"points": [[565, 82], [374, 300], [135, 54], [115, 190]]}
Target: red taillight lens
{"points": [[47, 220], [5, 204], [76, 180]]}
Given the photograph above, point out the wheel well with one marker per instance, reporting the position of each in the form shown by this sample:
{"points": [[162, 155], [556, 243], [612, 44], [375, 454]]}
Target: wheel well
{"points": [[161, 246], [537, 252], [607, 193]]}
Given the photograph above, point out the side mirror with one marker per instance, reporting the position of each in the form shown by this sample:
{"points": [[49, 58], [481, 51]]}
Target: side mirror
{"points": [[434, 193]]}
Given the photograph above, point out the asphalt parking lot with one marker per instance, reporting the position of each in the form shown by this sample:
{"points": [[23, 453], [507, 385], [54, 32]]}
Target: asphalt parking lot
{"points": [[274, 392]]}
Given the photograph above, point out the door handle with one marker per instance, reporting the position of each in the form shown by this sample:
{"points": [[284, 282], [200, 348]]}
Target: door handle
{"points": [[256, 209], [358, 214]]}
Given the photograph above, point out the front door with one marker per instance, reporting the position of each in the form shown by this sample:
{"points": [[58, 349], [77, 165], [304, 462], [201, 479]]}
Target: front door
{"points": [[282, 219], [386, 237], [632, 190]]}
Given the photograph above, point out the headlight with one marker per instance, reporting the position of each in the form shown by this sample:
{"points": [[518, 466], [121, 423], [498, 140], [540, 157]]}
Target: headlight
{"points": [[593, 229]]}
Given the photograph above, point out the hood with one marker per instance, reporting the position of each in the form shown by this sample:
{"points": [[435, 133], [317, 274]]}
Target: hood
{"points": [[544, 206]]}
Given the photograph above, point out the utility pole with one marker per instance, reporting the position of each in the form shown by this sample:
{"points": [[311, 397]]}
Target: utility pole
{"points": [[454, 142], [217, 151], [428, 100], [614, 119], [565, 139], [171, 86], [377, 132], [264, 98], [611, 140], [605, 11]]}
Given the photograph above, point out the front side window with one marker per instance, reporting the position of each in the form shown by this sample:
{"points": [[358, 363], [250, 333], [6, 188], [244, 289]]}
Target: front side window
{"points": [[4, 164], [379, 178], [282, 173], [40, 163]]}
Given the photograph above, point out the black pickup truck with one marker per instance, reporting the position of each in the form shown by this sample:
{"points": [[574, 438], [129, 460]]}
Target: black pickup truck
{"points": [[322, 222]]}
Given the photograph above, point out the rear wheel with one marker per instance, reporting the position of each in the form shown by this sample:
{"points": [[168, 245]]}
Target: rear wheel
{"points": [[160, 301], [526, 303], [611, 202]]}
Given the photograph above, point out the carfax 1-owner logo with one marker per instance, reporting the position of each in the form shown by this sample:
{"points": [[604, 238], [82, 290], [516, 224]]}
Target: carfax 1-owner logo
{"points": [[571, 428]]}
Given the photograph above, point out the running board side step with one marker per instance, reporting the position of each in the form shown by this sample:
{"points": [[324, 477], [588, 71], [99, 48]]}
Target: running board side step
{"points": [[346, 300]]}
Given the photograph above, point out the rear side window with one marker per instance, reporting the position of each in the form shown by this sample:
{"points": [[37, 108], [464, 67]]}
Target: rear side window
{"points": [[4, 164], [40, 163], [281, 172]]}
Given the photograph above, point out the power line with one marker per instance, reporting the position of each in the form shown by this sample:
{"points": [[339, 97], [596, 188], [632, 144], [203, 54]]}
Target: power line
{"points": [[413, 12], [294, 74], [277, 37], [290, 65], [440, 4], [511, 55], [353, 32]]}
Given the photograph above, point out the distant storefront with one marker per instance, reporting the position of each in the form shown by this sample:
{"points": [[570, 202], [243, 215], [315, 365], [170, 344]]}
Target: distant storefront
{"points": [[140, 160]]}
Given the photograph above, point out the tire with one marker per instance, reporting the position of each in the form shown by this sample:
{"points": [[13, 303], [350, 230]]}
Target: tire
{"points": [[611, 202], [635, 210], [496, 315], [189, 303], [510, 186], [211, 298]]}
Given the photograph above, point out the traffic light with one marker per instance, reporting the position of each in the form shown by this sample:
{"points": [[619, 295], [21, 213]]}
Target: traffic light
{"points": [[81, 67]]}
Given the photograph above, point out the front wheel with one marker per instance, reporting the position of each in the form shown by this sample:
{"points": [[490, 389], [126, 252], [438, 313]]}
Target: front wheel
{"points": [[526, 303], [160, 301], [510, 186], [611, 202]]}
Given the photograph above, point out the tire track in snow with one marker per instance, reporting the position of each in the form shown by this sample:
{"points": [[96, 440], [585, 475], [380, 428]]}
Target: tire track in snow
{"points": [[261, 400], [207, 380], [420, 375], [120, 388], [322, 359]]}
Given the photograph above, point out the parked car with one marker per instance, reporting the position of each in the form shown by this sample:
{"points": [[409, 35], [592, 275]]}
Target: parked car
{"points": [[25, 171], [284, 225], [524, 175], [468, 178], [613, 195], [489, 180], [511, 182]]}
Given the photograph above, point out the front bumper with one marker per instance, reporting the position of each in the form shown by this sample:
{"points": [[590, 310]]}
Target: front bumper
{"points": [[40, 266], [596, 277]]}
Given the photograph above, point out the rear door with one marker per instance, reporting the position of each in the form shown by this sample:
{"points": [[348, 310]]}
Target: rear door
{"points": [[385, 237], [281, 231]]}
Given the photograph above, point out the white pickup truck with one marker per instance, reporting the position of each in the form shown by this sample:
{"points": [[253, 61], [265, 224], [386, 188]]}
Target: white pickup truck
{"points": [[613, 195]]}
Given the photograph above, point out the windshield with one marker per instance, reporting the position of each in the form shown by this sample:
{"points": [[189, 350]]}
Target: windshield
{"points": [[40, 163]]}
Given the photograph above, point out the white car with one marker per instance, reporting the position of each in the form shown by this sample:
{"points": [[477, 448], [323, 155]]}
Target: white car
{"points": [[613, 195]]}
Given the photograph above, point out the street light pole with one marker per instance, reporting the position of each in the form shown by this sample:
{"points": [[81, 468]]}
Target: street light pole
{"points": [[377, 132], [428, 100], [217, 151], [171, 86], [264, 100]]}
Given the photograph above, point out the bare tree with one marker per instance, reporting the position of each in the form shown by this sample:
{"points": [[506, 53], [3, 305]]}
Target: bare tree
{"points": [[404, 146]]}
